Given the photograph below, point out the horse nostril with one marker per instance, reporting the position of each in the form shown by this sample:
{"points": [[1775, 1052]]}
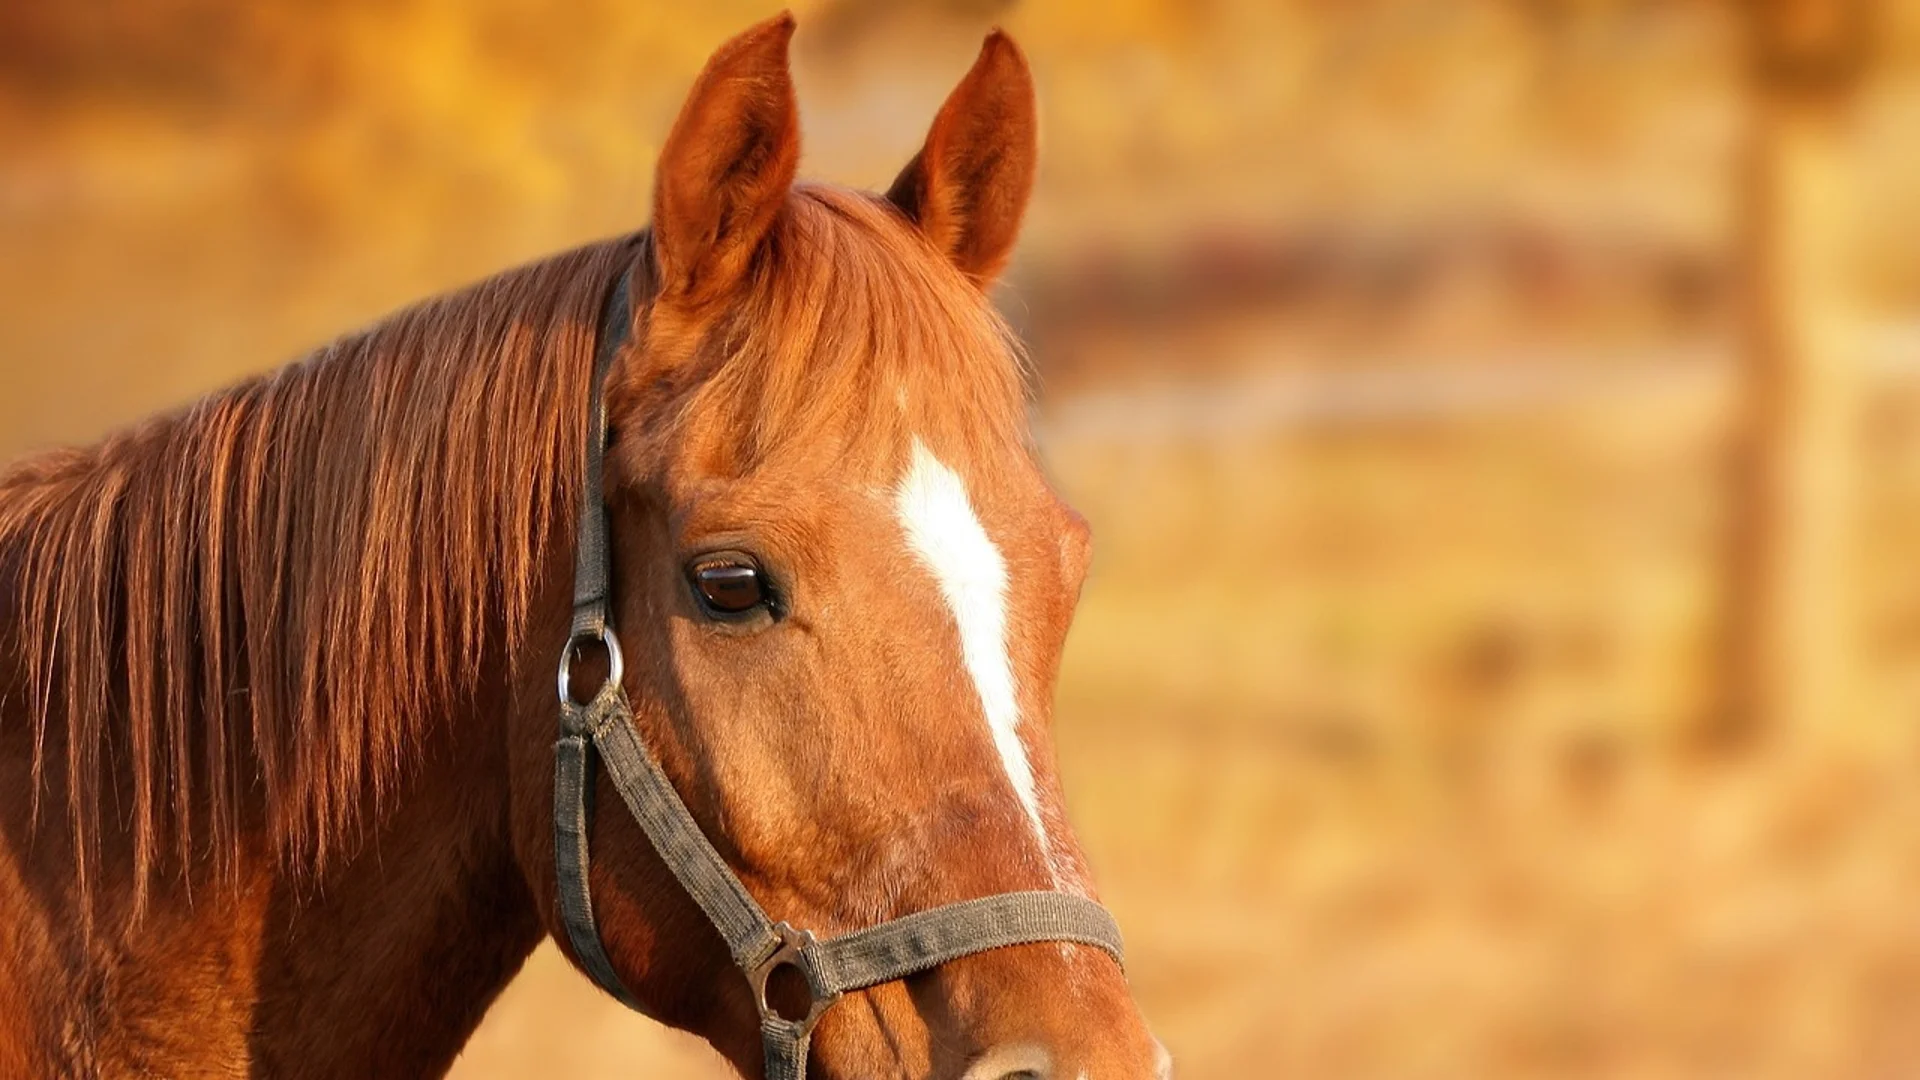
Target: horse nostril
{"points": [[1013, 1063]]}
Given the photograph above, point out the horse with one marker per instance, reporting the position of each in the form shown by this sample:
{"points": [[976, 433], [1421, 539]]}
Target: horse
{"points": [[277, 726]]}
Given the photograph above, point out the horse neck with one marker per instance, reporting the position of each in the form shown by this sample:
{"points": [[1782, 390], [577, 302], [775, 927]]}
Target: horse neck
{"points": [[381, 960], [380, 963], [387, 968]]}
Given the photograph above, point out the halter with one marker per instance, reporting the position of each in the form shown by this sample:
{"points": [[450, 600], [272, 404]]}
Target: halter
{"points": [[603, 727]]}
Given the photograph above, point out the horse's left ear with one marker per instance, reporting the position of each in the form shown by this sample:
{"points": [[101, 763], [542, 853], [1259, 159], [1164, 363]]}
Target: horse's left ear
{"points": [[727, 165], [968, 186]]}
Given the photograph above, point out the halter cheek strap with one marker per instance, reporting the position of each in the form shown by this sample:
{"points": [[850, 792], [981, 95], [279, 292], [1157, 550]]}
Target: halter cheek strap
{"points": [[603, 729]]}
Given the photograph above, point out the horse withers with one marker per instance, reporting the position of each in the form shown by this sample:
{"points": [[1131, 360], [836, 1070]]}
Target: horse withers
{"points": [[277, 718]]}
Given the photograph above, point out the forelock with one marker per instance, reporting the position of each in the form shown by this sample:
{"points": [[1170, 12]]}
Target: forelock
{"points": [[856, 335]]}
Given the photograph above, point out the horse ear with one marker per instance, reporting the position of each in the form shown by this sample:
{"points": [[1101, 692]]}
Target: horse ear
{"points": [[968, 186], [727, 165]]}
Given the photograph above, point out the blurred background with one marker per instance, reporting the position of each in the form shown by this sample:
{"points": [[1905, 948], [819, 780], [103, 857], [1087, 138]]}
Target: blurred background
{"points": [[1498, 418]]}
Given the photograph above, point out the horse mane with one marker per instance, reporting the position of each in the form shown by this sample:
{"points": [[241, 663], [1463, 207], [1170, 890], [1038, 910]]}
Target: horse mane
{"points": [[253, 606]]}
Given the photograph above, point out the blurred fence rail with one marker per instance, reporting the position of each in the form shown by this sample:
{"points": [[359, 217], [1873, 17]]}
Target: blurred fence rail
{"points": [[1271, 398]]}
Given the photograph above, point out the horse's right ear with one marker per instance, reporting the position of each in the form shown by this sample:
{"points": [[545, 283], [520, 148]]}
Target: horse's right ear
{"points": [[727, 165]]}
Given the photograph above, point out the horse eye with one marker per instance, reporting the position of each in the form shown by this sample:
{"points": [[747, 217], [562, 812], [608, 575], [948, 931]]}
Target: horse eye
{"points": [[730, 588]]}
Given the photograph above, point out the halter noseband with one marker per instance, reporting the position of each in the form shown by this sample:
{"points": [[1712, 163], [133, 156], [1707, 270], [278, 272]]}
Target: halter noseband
{"points": [[604, 728]]}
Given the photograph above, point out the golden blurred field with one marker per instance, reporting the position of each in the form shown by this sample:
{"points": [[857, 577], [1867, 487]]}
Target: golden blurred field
{"points": [[1392, 348]]}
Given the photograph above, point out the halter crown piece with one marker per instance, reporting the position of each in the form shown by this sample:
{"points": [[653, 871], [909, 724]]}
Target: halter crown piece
{"points": [[603, 728]]}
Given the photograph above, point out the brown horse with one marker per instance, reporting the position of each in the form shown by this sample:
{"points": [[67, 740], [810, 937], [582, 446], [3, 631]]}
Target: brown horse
{"points": [[276, 703]]}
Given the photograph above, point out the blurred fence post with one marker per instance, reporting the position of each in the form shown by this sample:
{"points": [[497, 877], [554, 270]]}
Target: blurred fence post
{"points": [[1791, 616]]}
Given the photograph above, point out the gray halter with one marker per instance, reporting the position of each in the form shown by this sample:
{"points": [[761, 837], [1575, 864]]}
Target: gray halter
{"points": [[604, 728]]}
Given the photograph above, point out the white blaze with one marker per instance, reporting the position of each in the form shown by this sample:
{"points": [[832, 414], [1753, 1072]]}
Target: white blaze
{"points": [[946, 534]]}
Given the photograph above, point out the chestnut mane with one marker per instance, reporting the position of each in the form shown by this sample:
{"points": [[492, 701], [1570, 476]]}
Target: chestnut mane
{"points": [[253, 605]]}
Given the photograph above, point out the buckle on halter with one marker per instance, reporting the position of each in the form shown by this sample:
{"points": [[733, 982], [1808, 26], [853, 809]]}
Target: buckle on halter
{"points": [[789, 954], [616, 665]]}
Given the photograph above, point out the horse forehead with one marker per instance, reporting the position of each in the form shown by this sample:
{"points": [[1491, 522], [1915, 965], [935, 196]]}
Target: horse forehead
{"points": [[989, 523], [833, 483]]}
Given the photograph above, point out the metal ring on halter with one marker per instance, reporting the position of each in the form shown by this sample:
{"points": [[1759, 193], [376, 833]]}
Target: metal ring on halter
{"points": [[616, 666], [789, 955]]}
